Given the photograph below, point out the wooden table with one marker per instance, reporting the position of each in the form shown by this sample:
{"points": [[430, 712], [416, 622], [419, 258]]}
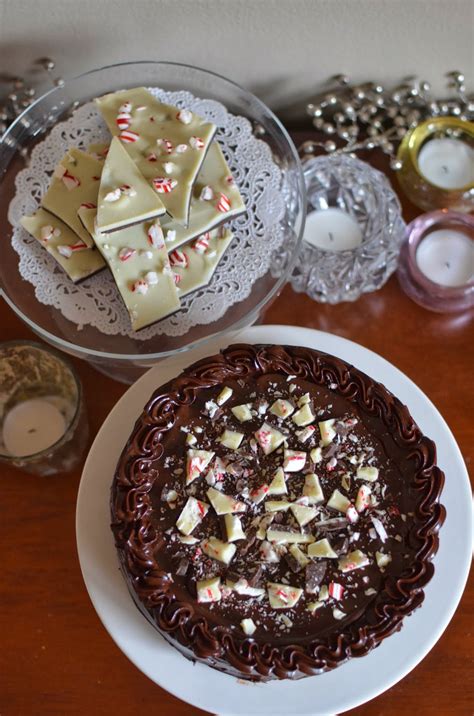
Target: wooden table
{"points": [[56, 657]]}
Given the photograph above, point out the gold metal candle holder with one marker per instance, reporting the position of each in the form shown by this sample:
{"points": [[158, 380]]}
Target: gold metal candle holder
{"points": [[418, 188]]}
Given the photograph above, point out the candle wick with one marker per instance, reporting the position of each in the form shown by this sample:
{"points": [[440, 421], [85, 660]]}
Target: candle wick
{"points": [[331, 236], [445, 169], [447, 264]]}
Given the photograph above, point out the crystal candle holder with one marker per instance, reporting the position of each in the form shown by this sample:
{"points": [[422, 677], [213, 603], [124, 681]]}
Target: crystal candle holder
{"points": [[436, 267], [437, 164], [43, 422], [353, 231]]}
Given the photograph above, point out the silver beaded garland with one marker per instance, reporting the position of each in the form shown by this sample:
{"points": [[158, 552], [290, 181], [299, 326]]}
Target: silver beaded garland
{"points": [[369, 116]]}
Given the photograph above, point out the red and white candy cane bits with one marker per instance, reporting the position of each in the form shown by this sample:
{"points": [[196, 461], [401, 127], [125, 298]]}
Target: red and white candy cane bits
{"points": [[126, 253], [155, 236], [163, 185], [336, 590], [202, 243], [70, 181], [128, 136], [223, 204], [196, 143], [178, 258]]}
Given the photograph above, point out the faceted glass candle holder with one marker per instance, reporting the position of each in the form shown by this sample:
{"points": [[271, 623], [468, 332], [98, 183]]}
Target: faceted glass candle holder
{"points": [[43, 422], [326, 269]]}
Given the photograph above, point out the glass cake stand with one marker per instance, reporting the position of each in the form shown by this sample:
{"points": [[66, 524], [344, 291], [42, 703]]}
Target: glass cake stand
{"points": [[123, 357]]}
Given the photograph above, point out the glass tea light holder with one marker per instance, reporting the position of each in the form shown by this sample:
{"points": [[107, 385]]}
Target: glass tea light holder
{"points": [[437, 164], [436, 267], [43, 422], [353, 230]]}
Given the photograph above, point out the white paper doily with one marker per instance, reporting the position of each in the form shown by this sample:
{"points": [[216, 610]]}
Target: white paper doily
{"points": [[96, 301]]}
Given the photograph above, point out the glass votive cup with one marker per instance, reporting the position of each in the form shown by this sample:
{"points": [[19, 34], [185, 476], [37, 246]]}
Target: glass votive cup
{"points": [[353, 232], [437, 164], [436, 268], [43, 421]]}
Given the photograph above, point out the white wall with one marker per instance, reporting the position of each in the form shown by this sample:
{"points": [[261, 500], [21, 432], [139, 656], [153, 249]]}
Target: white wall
{"points": [[281, 49]]}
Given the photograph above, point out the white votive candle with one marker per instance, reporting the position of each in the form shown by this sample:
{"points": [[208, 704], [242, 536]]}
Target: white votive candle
{"points": [[447, 163], [446, 257], [332, 230], [32, 426]]}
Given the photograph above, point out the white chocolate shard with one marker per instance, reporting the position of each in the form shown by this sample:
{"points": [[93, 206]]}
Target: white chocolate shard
{"points": [[282, 408], [188, 539], [338, 502], [304, 400], [305, 434], [196, 463], [338, 613], [269, 438], [322, 548], [284, 537], [352, 515], [303, 416], [209, 590], [242, 412], [243, 588], [312, 489], [268, 553], [369, 474], [327, 432], [379, 528], [314, 606], [233, 528], [231, 439], [277, 505], [283, 596], [363, 498], [353, 560], [303, 514], [258, 494], [316, 455], [224, 504], [215, 548], [248, 626], [278, 484], [191, 439], [224, 395], [299, 555], [382, 559], [191, 515], [294, 460]]}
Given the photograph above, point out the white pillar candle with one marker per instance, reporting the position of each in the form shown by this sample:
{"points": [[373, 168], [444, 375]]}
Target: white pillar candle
{"points": [[332, 230], [446, 257], [32, 426], [447, 163]]}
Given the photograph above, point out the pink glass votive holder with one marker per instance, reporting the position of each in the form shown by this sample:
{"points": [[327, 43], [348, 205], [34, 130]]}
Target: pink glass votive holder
{"points": [[436, 266]]}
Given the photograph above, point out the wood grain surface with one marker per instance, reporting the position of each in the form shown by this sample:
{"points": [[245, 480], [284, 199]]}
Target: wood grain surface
{"points": [[56, 657]]}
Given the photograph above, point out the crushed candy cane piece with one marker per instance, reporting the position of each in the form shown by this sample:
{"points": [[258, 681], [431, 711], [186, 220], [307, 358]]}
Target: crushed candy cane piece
{"points": [[151, 277], [70, 181], [128, 136], [379, 528], [196, 143], [185, 116], [165, 145], [201, 244], [181, 148], [140, 286], [352, 514], [163, 185], [248, 626], [209, 590], [207, 193], [223, 205], [113, 195], [363, 498], [126, 253], [336, 590], [155, 236]]}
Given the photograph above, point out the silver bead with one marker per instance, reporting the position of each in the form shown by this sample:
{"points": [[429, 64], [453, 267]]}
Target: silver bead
{"points": [[29, 91], [339, 117], [328, 128], [401, 131], [330, 99], [352, 130], [344, 134], [47, 63], [378, 89], [387, 147], [425, 86], [318, 122], [348, 109], [330, 146], [380, 102], [341, 79], [369, 144], [59, 82], [372, 131], [399, 121], [396, 165], [457, 76], [314, 110]]}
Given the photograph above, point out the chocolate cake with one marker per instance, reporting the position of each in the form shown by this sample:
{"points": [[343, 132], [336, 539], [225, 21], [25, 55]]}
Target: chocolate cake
{"points": [[276, 512]]}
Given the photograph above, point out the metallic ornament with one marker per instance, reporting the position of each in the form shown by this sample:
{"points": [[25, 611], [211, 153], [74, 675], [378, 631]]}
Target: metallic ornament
{"points": [[370, 116]]}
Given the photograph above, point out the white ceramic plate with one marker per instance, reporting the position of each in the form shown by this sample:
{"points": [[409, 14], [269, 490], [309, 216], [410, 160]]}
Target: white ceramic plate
{"points": [[352, 683]]}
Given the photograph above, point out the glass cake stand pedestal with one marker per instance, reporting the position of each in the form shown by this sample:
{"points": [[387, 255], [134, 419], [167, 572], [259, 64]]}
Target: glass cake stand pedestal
{"points": [[119, 356]]}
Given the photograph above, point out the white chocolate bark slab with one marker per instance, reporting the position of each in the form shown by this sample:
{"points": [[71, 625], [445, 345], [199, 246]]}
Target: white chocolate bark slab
{"points": [[64, 245], [140, 270], [215, 181], [204, 214], [75, 182], [200, 265], [167, 144], [125, 197]]}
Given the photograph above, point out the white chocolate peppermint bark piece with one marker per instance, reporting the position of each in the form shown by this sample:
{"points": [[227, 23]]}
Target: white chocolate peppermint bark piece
{"points": [[194, 263], [221, 202], [77, 259], [125, 197], [167, 144], [283, 596], [75, 183], [139, 264]]}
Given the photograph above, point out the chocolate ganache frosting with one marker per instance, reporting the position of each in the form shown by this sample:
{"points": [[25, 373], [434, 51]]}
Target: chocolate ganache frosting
{"points": [[276, 512]]}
